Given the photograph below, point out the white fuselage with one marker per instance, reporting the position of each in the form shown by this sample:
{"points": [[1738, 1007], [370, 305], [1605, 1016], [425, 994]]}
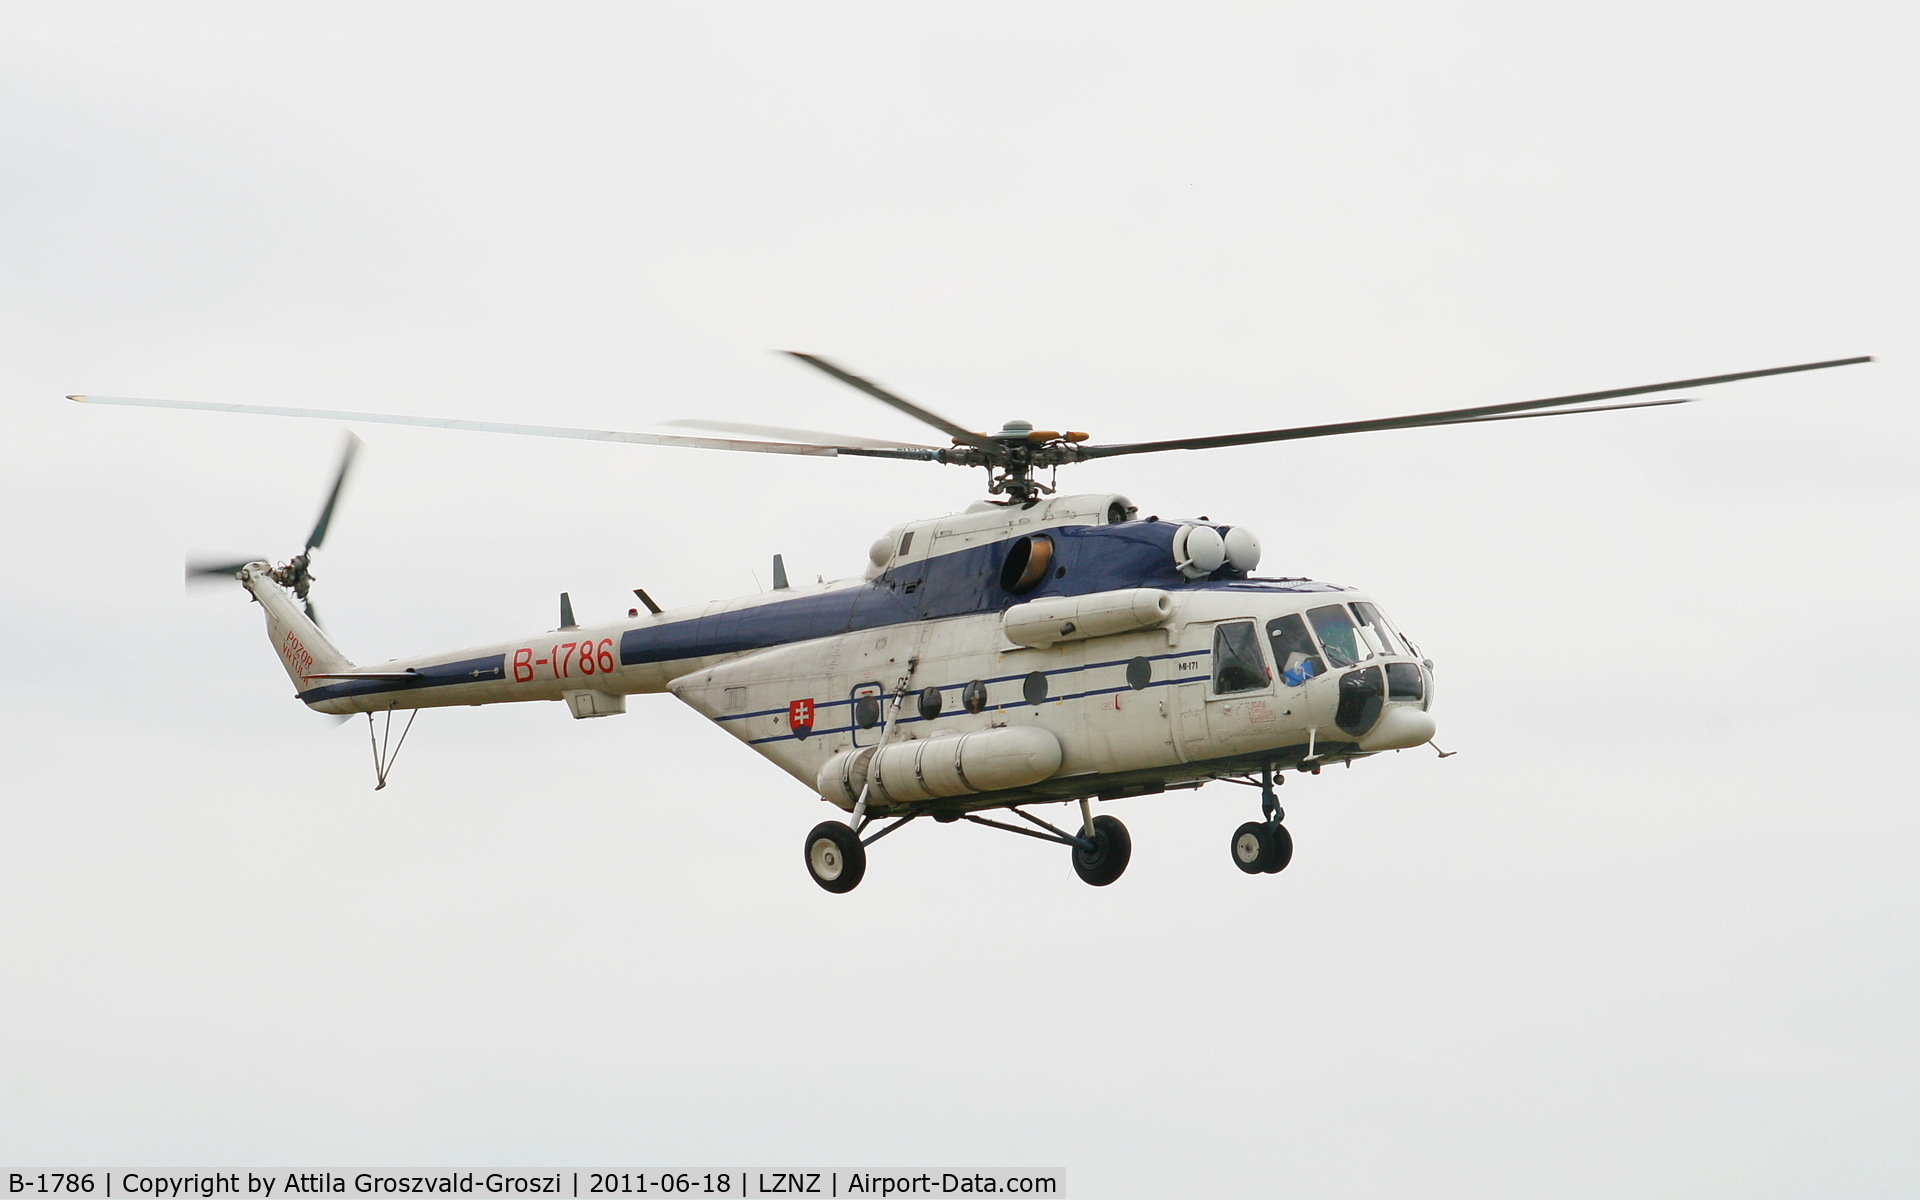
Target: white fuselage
{"points": [[1163, 681]]}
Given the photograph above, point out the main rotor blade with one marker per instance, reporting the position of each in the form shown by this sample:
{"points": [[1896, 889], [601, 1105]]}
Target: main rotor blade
{"points": [[1569, 412], [319, 533], [785, 433], [1452, 416], [906, 406], [554, 431]]}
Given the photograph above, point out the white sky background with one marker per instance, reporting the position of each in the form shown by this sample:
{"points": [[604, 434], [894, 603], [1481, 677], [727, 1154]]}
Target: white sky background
{"points": [[1652, 932]]}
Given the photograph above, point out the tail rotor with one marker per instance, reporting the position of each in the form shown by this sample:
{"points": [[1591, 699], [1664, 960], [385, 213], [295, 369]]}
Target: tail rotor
{"points": [[296, 574]]}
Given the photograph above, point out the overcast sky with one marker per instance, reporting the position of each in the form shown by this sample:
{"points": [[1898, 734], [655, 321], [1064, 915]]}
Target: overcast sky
{"points": [[1651, 932]]}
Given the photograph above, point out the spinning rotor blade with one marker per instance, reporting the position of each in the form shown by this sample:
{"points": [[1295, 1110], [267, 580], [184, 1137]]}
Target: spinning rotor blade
{"points": [[1453, 416], [219, 570], [1568, 412], [798, 435], [319, 533], [913, 410], [595, 435]]}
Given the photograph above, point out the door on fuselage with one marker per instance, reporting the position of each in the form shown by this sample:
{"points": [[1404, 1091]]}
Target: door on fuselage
{"points": [[1230, 708], [1241, 713]]}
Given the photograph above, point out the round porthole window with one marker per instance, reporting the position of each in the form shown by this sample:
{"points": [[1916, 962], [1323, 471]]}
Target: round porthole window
{"points": [[1034, 688], [930, 704], [866, 712], [973, 697], [1139, 674]]}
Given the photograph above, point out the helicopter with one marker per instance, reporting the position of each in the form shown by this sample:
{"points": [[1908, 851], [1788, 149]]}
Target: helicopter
{"points": [[1035, 648]]}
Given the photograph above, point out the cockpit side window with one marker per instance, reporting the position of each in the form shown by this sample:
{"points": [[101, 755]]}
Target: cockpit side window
{"points": [[1337, 634], [1237, 665], [1294, 651]]}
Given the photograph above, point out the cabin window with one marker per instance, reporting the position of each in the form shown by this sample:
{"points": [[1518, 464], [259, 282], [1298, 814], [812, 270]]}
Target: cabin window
{"points": [[1293, 650], [1139, 674], [1337, 635], [1374, 628], [973, 697], [906, 543], [1034, 687], [866, 705], [1237, 665], [1027, 562], [930, 704]]}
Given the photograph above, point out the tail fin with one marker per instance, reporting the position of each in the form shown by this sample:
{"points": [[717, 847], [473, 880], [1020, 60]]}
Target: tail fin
{"points": [[304, 650]]}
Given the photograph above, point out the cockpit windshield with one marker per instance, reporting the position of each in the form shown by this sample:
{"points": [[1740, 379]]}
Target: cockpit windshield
{"points": [[1374, 628], [1338, 635]]}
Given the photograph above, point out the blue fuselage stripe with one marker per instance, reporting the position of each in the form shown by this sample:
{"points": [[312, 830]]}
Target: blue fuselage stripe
{"points": [[488, 668]]}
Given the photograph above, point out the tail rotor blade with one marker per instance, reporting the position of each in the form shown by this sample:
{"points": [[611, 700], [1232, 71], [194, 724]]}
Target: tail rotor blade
{"points": [[319, 533], [218, 570]]}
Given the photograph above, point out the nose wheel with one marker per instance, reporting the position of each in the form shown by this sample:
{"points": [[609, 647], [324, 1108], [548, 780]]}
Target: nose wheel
{"points": [[1264, 847], [1100, 859]]}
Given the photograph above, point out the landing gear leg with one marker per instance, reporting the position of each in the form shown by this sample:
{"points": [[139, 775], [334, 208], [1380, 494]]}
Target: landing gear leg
{"points": [[1101, 850], [1264, 847]]}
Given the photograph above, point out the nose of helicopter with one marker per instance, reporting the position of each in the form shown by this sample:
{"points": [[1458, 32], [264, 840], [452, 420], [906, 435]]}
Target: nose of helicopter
{"points": [[1400, 727]]}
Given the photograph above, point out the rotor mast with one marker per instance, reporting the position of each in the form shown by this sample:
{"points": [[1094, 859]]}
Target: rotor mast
{"points": [[1013, 455]]}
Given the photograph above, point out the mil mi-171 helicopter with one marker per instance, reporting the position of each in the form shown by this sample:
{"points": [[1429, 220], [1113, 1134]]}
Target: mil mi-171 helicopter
{"points": [[1033, 649]]}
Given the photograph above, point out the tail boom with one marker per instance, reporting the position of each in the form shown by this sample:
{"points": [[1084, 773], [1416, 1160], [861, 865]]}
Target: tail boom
{"points": [[304, 650]]}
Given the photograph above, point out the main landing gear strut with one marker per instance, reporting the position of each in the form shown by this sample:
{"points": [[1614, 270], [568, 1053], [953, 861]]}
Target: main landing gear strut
{"points": [[837, 853], [1264, 847]]}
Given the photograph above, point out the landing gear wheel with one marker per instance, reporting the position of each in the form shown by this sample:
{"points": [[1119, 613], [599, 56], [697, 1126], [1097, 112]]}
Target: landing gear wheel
{"points": [[1112, 848], [1282, 849], [1253, 848], [835, 857]]}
